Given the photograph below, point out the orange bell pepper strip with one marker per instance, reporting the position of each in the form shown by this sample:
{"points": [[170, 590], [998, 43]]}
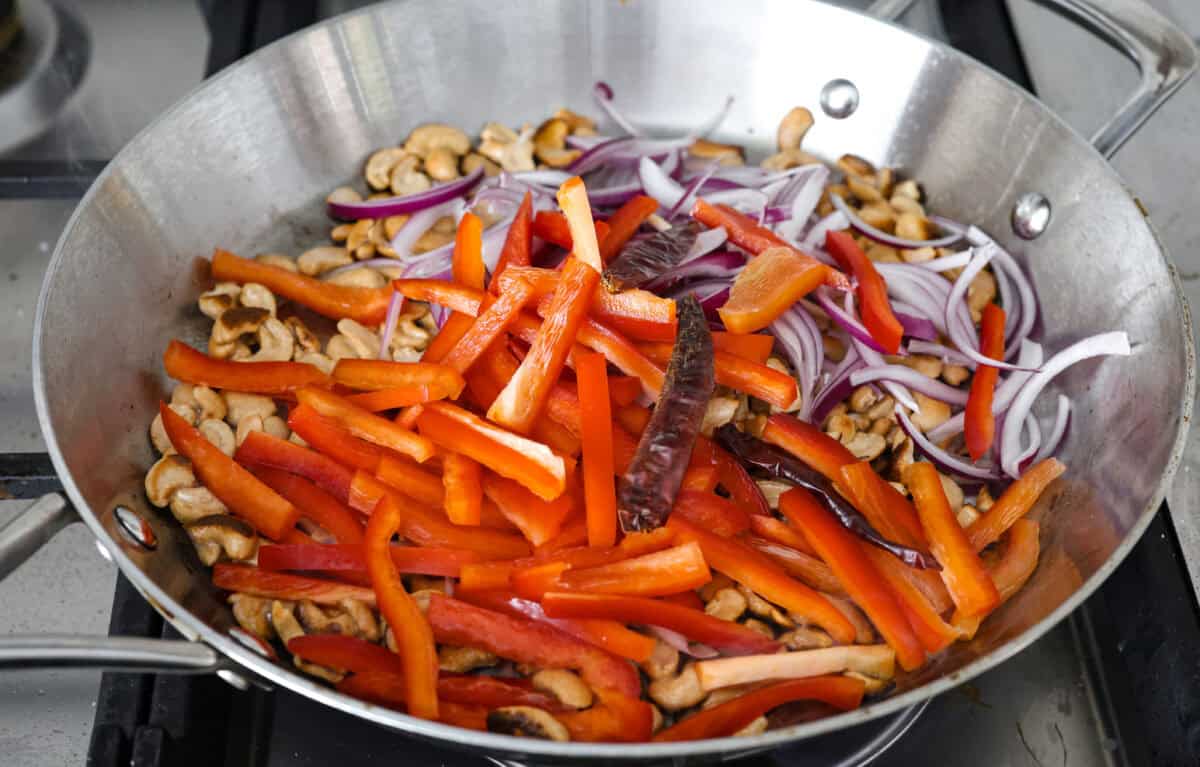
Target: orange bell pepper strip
{"points": [[711, 512], [781, 532], [391, 399], [768, 286], [552, 226], [798, 564], [518, 243], [463, 482], [689, 599], [573, 533], [873, 302], [469, 271], [639, 313], [623, 390], [1014, 503], [616, 718], [962, 571], [632, 419], [412, 632], [738, 373], [348, 557], [387, 689], [183, 363], [510, 455], [808, 443], [525, 641], [599, 487], [538, 520], [333, 516], [1010, 572], [624, 223], [748, 235], [325, 436], [366, 425], [926, 621], [679, 568], [411, 480], [525, 394], [381, 375], [248, 579], [573, 199], [889, 512], [760, 574], [457, 298], [262, 449], [756, 347], [979, 423], [365, 305], [843, 553], [453, 329], [535, 580], [244, 494], [621, 352], [841, 692], [727, 636], [489, 326]]}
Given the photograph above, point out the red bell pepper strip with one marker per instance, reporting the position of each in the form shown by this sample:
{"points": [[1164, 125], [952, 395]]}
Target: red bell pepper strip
{"points": [[838, 547], [979, 423], [366, 425], [411, 480], [469, 271], [247, 579], [573, 533], [518, 243], [962, 571], [748, 235], [538, 520], [388, 689], [591, 372], [456, 326], [365, 305], [1010, 572], [510, 455], [573, 199], [463, 482], [552, 226], [885, 508], [873, 302], [535, 580], [934, 633], [557, 437], [756, 347], [808, 443], [623, 390], [183, 363], [564, 408], [493, 692], [632, 419], [766, 383], [489, 326], [1014, 503], [616, 717], [768, 286], [781, 532], [341, 557], [315, 504], [411, 631], [458, 298], [346, 653], [244, 494], [727, 636], [324, 435], [711, 512], [679, 568], [624, 223], [526, 392], [618, 350], [261, 449], [798, 564], [700, 479], [524, 641], [841, 692], [689, 599], [761, 575], [379, 375]]}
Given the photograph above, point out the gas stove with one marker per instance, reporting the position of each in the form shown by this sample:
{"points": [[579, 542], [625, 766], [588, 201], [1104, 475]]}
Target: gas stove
{"points": [[1118, 683]]}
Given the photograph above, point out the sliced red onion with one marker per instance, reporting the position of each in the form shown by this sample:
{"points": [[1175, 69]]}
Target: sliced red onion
{"points": [[930, 387], [1057, 431], [963, 335], [1026, 307], [834, 222], [845, 320], [680, 642], [419, 223], [389, 324], [744, 200], [712, 294], [944, 353], [838, 387], [946, 263], [917, 327], [943, 459], [1029, 358], [883, 237], [801, 195], [544, 177], [1103, 344], [722, 265], [409, 203], [599, 154], [603, 93], [684, 202], [925, 291], [706, 242], [577, 141], [1025, 457], [657, 183], [798, 334]]}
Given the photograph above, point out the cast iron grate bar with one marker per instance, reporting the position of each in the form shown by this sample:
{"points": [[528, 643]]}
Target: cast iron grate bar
{"points": [[30, 179]]}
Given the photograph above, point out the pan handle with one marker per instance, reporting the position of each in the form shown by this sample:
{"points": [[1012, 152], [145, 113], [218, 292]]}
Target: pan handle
{"points": [[1165, 56], [172, 656], [32, 529], [889, 10]]}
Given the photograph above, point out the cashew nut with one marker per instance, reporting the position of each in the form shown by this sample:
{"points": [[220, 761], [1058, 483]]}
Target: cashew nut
{"points": [[527, 721], [364, 277], [235, 350], [860, 188], [879, 215], [340, 348], [213, 303], [501, 145], [406, 179], [727, 604], [806, 638], [853, 165], [253, 614], [209, 403], [475, 160], [908, 188], [789, 158], [984, 501], [657, 718], [158, 435], [550, 144], [316, 261], [275, 342], [980, 293], [316, 359], [364, 619], [933, 413], [189, 504], [168, 474], [344, 194], [865, 445], [442, 165], [663, 661], [719, 581], [242, 404], [359, 235], [460, 660], [378, 169], [918, 255], [772, 489], [237, 322], [306, 340], [219, 434], [432, 239], [719, 412], [966, 516], [215, 535], [912, 227], [724, 154], [247, 425], [792, 128], [675, 693], [925, 364], [364, 342], [319, 620], [283, 620], [564, 685], [577, 123], [182, 395], [426, 138], [754, 624], [883, 408], [955, 374], [757, 727], [954, 493], [257, 296], [276, 427], [764, 609]]}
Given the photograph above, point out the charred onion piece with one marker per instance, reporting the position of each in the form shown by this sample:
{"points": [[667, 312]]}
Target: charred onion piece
{"points": [[781, 465], [647, 491], [644, 259]]}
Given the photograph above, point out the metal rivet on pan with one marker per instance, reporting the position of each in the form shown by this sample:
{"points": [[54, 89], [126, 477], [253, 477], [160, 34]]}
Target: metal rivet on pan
{"points": [[233, 679], [252, 642], [839, 98], [103, 552], [1031, 215], [135, 529]]}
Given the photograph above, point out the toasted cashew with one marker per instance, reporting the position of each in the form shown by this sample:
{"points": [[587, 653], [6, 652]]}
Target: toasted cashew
{"points": [[406, 179], [727, 604], [528, 722], [223, 534], [363, 277], [316, 261], [169, 474], [253, 614], [241, 404], [675, 693], [158, 435], [792, 128], [475, 160], [213, 303], [378, 169], [426, 138], [237, 322], [460, 660], [564, 685], [365, 343], [219, 434], [189, 504], [933, 413], [663, 661], [764, 609], [344, 194], [257, 296]]}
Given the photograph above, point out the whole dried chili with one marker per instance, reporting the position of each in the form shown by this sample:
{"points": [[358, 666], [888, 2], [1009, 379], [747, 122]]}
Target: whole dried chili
{"points": [[647, 490], [781, 465], [642, 260]]}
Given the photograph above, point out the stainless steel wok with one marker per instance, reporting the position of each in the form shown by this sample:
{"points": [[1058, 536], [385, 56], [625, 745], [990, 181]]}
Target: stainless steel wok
{"points": [[245, 161]]}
